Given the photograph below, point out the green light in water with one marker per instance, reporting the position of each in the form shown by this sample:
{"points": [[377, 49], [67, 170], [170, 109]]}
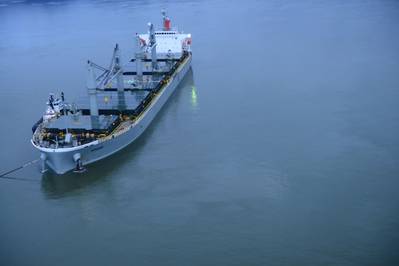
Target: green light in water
{"points": [[193, 96]]}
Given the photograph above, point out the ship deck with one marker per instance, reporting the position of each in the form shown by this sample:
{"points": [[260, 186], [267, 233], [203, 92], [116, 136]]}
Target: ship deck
{"points": [[115, 109], [101, 124], [132, 100], [114, 102]]}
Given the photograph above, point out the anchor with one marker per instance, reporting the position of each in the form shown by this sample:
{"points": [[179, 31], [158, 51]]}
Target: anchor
{"points": [[79, 166], [43, 158]]}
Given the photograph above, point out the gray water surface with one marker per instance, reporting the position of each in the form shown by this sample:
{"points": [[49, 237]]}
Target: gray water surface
{"points": [[281, 146]]}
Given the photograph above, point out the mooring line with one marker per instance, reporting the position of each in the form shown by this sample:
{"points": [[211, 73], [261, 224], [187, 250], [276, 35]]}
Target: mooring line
{"points": [[19, 178], [4, 175]]}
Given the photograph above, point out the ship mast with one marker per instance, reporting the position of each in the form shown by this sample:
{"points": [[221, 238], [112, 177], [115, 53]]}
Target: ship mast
{"points": [[138, 58], [152, 46], [92, 89], [118, 71]]}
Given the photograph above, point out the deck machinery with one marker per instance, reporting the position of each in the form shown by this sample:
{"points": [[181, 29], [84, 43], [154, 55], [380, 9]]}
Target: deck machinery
{"points": [[122, 101]]}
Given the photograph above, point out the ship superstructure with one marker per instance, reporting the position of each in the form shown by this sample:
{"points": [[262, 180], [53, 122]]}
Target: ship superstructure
{"points": [[122, 101]]}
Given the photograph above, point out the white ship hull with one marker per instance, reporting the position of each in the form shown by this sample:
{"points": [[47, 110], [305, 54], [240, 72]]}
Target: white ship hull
{"points": [[61, 160]]}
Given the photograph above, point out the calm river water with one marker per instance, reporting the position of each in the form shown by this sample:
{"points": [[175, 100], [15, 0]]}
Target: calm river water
{"points": [[281, 146]]}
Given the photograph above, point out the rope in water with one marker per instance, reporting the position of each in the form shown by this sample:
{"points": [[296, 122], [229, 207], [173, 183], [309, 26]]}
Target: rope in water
{"points": [[4, 175]]}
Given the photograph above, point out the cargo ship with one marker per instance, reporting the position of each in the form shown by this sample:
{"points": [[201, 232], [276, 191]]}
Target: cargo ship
{"points": [[122, 101]]}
